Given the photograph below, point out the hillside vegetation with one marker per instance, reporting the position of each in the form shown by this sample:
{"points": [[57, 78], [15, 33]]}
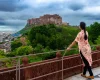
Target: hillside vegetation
{"points": [[47, 38]]}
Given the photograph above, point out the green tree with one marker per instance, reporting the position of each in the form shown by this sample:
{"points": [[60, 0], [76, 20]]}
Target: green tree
{"points": [[94, 31], [24, 50], [55, 37], [38, 48], [15, 44], [98, 40], [39, 29], [2, 52]]}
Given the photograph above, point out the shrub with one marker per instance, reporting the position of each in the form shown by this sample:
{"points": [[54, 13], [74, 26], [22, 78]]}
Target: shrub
{"points": [[34, 59], [94, 31], [11, 54], [24, 50], [15, 44], [48, 55], [38, 48], [47, 49], [2, 52], [98, 40]]}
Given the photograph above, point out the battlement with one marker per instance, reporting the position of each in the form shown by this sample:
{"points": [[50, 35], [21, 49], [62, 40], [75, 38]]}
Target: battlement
{"points": [[46, 19]]}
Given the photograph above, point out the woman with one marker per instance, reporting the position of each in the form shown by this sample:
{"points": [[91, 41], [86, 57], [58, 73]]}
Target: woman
{"points": [[84, 49]]}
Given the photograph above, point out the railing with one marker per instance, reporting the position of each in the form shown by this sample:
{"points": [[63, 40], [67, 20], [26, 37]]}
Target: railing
{"points": [[19, 68]]}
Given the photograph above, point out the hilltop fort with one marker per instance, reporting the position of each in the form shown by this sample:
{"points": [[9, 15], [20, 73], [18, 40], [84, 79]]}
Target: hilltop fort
{"points": [[46, 19]]}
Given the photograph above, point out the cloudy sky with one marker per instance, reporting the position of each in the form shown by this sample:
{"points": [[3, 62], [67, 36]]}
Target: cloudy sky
{"points": [[14, 13]]}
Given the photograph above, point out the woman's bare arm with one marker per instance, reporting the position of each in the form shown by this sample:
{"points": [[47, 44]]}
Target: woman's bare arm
{"points": [[72, 44]]}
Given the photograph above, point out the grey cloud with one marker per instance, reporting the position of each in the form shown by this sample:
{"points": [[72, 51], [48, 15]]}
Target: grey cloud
{"points": [[11, 5], [15, 15], [76, 6], [92, 17], [13, 24], [2, 21]]}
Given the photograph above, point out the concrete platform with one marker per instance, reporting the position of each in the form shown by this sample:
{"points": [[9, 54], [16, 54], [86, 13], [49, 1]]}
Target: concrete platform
{"points": [[96, 72]]}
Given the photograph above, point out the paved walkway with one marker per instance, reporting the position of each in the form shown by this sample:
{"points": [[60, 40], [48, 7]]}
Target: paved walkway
{"points": [[96, 72]]}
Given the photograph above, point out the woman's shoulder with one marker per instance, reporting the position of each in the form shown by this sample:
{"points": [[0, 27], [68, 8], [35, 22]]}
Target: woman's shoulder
{"points": [[81, 32], [87, 32]]}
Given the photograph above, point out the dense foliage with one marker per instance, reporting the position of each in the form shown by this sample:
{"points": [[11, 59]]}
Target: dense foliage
{"points": [[98, 40], [46, 38], [55, 37], [94, 31], [15, 44], [24, 50]]}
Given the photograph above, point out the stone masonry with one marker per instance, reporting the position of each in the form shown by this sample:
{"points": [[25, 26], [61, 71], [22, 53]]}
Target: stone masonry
{"points": [[46, 19]]}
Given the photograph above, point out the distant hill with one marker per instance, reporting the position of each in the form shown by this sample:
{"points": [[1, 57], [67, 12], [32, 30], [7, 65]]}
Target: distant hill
{"points": [[43, 20], [16, 34], [25, 29]]}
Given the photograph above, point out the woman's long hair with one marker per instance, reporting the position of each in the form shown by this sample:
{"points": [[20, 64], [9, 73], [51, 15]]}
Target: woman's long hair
{"points": [[83, 27]]}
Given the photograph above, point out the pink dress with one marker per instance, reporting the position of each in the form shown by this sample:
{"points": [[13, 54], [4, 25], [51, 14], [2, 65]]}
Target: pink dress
{"points": [[84, 46]]}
